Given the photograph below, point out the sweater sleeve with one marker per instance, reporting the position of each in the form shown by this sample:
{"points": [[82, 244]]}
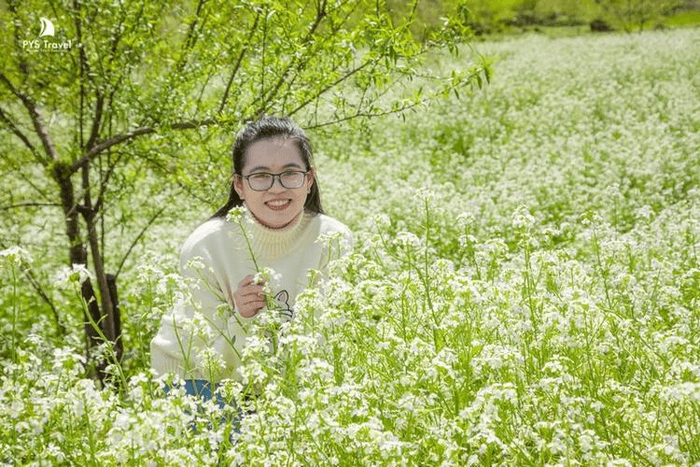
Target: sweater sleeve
{"points": [[202, 337]]}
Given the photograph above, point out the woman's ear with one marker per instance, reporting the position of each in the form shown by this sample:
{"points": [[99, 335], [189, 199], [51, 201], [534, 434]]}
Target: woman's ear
{"points": [[238, 185], [311, 178]]}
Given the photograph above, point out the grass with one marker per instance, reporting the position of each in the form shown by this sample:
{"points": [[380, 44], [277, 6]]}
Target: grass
{"points": [[683, 19]]}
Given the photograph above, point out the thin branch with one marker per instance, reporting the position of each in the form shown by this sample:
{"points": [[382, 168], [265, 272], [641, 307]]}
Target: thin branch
{"points": [[29, 180], [106, 144], [358, 114], [300, 62], [119, 27], [191, 39], [104, 182], [99, 110], [84, 67], [205, 86], [183, 186], [136, 240], [14, 129], [23, 67], [262, 55], [37, 286], [380, 113], [34, 116], [329, 87], [366, 89], [236, 67], [119, 31], [45, 297], [27, 205], [118, 139], [96, 121]]}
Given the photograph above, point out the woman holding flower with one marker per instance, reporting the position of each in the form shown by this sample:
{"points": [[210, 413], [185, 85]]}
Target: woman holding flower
{"points": [[272, 222]]}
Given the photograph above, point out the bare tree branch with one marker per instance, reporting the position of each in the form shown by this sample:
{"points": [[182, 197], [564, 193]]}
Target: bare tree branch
{"points": [[44, 296], [239, 60], [300, 62], [136, 240], [105, 182], [360, 114], [40, 290], [330, 86], [113, 141], [35, 118], [27, 205], [17, 132], [191, 39]]}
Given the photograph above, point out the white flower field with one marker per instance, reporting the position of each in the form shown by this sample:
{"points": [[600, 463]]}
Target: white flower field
{"points": [[524, 290]]}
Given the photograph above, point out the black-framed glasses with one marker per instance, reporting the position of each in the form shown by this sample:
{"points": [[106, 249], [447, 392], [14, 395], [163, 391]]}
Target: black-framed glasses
{"points": [[263, 181]]}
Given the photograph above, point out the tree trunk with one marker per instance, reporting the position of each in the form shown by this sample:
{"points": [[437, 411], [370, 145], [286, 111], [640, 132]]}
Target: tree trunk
{"points": [[115, 318], [77, 253], [96, 321]]}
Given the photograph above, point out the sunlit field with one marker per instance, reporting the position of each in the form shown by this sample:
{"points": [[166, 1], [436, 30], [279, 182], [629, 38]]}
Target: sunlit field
{"points": [[524, 290]]}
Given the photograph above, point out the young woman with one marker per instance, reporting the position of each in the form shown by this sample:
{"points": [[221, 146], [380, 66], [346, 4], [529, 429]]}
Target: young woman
{"points": [[278, 224]]}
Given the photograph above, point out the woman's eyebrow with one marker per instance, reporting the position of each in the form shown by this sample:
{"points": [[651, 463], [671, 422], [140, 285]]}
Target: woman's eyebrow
{"points": [[267, 169]]}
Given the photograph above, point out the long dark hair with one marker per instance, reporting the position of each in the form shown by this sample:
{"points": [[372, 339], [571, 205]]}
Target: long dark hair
{"points": [[267, 128]]}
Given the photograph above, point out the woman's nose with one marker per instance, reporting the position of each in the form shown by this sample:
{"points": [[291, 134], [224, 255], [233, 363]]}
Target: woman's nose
{"points": [[277, 183]]}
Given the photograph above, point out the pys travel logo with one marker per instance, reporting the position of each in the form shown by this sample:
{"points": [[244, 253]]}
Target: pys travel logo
{"points": [[44, 45]]}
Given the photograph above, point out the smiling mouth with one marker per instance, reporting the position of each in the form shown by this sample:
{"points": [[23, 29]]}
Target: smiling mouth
{"points": [[278, 204]]}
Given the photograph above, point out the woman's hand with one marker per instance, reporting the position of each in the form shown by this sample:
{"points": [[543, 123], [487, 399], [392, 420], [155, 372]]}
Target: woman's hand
{"points": [[249, 298]]}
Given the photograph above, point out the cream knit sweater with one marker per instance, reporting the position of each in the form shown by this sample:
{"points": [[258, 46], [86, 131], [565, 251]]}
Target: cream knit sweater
{"points": [[215, 258]]}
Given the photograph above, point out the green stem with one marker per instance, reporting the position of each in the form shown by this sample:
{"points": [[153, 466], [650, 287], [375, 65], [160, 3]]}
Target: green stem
{"points": [[109, 348], [248, 245], [426, 279], [269, 301], [14, 315], [90, 432]]}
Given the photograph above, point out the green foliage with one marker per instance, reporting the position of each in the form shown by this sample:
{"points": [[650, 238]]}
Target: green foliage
{"points": [[637, 14], [126, 91], [524, 286], [571, 16]]}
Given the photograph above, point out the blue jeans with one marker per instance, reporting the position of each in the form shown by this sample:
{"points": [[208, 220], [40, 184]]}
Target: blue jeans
{"points": [[201, 388]]}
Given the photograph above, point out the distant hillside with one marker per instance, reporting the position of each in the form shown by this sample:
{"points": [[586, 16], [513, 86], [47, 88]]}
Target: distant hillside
{"points": [[506, 16]]}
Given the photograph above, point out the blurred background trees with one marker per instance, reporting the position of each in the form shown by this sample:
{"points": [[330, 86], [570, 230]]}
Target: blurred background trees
{"points": [[509, 16]]}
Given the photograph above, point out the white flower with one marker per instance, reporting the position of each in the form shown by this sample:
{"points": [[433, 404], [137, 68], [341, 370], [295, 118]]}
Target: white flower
{"points": [[55, 452], [235, 214], [212, 361], [16, 408], [16, 256], [465, 219], [259, 278], [424, 195], [522, 219], [75, 275], [195, 264], [407, 240]]}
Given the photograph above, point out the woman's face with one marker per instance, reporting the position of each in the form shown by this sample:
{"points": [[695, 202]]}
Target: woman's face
{"points": [[278, 206]]}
